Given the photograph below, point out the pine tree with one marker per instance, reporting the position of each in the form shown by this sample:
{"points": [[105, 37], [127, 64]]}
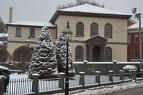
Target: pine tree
{"points": [[44, 57], [61, 51]]}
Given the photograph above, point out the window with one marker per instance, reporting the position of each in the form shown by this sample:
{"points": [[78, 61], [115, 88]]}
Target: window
{"points": [[79, 53], [18, 31], [108, 54], [108, 30], [32, 33], [136, 52], [136, 38], [142, 38], [94, 29], [129, 39], [79, 29]]}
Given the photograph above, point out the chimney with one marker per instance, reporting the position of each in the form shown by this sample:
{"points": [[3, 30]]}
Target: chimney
{"points": [[10, 14]]}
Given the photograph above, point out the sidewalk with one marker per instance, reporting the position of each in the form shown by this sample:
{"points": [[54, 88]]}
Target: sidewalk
{"points": [[133, 91], [131, 88]]}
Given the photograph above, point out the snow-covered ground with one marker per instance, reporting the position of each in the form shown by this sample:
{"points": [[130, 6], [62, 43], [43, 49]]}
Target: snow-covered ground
{"points": [[16, 76], [107, 90]]}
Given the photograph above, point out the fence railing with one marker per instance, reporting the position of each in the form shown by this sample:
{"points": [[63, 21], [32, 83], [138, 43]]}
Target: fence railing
{"points": [[19, 86], [38, 86]]}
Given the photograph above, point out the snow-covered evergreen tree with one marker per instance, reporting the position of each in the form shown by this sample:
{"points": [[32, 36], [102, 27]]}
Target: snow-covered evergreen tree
{"points": [[44, 57], [61, 52]]}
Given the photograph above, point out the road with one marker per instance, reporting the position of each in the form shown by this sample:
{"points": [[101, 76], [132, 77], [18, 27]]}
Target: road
{"points": [[133, 91]]}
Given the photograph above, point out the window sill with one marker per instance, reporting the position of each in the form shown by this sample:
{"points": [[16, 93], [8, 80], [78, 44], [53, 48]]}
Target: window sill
{"points": [[79, 36]]}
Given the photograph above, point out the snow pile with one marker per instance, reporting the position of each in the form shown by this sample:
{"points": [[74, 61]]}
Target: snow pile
{"points": [[130, 67], [3, 35], [109, 89], [4, 68]]}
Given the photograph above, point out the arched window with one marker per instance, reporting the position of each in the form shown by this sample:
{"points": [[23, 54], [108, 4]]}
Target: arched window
{"points": [[93, 29], [79, 53], [79, 29], [108, 54], [108, 30]]}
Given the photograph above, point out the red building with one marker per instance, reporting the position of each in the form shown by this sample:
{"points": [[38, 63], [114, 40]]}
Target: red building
{"points": [[133, 51]]}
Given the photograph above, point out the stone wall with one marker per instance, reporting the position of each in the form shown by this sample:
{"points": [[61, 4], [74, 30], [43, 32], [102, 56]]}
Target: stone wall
{"points": [[104, 67]]}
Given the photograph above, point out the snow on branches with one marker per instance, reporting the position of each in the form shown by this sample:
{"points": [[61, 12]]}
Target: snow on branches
{"points": [[49, 58], [61, 53], [44, 59]]}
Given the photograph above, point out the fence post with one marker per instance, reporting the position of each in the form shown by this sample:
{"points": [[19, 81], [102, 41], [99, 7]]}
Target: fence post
{"points": [[35, 84], [134, 75], [61, 81], [115, 66], [111, 76], [85, 66], [82, 80], [122, 75], [131, 74], [98, 77], [2, 83], [141, 73]]}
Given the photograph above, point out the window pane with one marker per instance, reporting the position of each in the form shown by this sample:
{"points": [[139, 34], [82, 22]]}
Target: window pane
{"points": [[94, 29], [18, 31], [108, 30], [142, 38], [79, 53], [129, 39], [79, 29], [108, 54], [32, 32], [136, 53], [136, 38]]}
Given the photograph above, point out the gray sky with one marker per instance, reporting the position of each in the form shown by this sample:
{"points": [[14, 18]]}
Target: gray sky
{"points": [[42, 10]]}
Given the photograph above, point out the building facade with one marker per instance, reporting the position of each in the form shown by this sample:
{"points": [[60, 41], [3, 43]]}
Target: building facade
{"points": [[99, 34], [24, 33], [133, 42]]}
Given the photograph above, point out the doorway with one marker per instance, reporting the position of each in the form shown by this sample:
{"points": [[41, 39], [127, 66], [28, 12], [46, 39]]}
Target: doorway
{"points": [[97, 54]]}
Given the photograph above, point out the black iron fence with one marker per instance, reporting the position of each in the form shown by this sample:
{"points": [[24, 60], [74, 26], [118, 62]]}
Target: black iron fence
{"points": [[25, 86]]}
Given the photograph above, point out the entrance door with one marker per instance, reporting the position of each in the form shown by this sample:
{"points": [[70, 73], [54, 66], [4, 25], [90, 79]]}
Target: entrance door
{"points": [[97, 54]]}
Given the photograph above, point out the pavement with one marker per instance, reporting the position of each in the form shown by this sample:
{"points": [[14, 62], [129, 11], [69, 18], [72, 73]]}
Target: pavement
{"points": [[132, 91]]}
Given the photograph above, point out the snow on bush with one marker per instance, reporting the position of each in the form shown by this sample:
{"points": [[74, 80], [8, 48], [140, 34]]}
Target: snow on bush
{"points": [[44, 60], [61, 53]]}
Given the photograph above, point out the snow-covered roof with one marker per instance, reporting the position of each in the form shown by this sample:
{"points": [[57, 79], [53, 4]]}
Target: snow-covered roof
{"points": [[135, 26], [3, 35], [88, 8], [31, 23]]}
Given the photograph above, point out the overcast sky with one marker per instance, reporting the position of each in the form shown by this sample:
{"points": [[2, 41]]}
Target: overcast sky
{"points": [[42, 10]]}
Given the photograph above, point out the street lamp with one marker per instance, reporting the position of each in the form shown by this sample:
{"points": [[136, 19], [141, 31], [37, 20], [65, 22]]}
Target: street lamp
{"points": [[68, 36], [28, 41], [138, 16]]}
